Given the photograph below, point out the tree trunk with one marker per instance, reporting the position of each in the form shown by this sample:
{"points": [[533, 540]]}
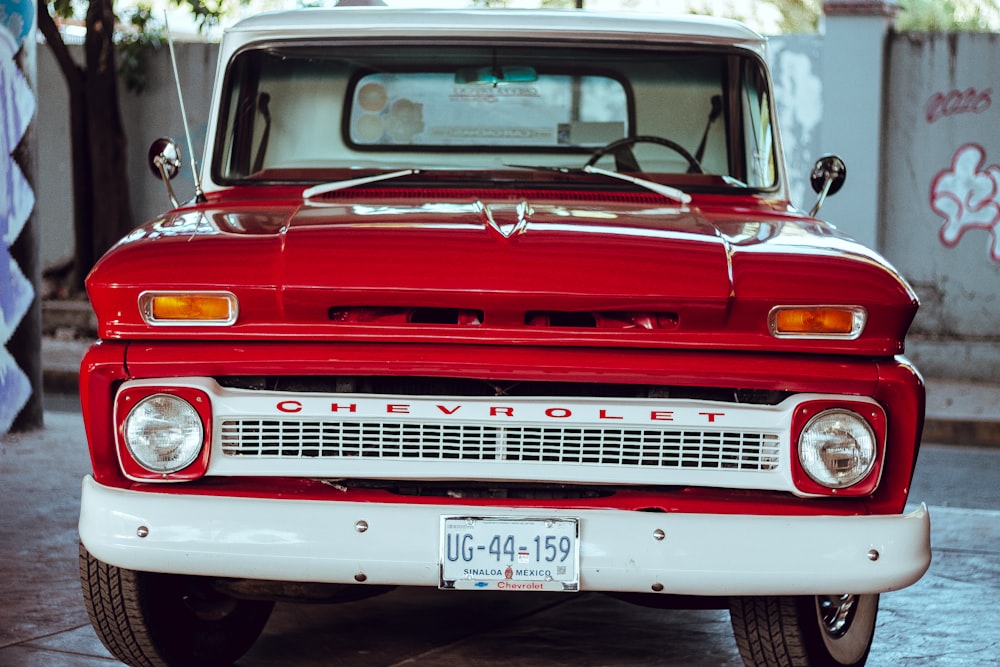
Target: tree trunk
{"points": [[111, 209], [83, 189]]}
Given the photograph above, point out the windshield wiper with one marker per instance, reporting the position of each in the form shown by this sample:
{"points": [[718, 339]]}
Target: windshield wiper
{"points": [[658, 188], [333, 186]]}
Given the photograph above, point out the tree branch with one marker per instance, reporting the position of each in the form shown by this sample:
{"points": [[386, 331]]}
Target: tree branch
{"points": [[72, 72]]}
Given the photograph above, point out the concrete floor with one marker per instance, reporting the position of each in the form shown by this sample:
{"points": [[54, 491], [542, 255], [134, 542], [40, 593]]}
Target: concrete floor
{"points": [[950, 618]]}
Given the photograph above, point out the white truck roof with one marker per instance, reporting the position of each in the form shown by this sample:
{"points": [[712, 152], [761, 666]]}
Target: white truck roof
{"points": [[371, 22]]}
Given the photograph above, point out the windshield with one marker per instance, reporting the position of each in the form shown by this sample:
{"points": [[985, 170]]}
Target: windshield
{"points": [[309, 113]]}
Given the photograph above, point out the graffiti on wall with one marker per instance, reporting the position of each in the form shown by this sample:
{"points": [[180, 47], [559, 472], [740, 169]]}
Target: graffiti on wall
{"points": [[17, 200], [955, 102], [967, 196]]}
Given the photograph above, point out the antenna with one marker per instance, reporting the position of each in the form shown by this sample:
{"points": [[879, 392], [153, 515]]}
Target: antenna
{"points": [[199, 195]]}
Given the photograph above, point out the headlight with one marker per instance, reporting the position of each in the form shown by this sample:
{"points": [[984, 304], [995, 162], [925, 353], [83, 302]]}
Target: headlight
{"points": [[837, 448], [164, 433]]}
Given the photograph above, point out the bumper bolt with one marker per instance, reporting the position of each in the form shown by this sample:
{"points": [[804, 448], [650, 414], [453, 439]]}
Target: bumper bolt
{"points": [[659, 535], [873, 555], [142, 531], [361, 526]]}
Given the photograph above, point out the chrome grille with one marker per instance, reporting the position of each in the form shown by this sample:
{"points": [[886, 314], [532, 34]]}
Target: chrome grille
{"points": [[695, 449]]}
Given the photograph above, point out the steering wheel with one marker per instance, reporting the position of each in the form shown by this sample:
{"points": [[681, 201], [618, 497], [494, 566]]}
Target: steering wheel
{"points": [[625, 161]]}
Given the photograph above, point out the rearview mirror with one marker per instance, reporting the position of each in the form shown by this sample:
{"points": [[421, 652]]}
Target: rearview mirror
{"points": [[827, 177], [164, 159], [496, 75]]}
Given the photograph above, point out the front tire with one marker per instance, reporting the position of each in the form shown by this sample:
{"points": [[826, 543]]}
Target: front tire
{"points": [[804, 631], [159, 620]]}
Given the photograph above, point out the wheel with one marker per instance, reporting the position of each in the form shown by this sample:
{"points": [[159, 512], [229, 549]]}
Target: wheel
{"points": [[801, 631], [153, 620], [625, 161]]}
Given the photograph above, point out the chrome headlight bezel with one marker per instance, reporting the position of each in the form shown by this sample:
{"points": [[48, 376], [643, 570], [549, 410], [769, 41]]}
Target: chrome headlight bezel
{"points": [[837, 448], [163, 432]]}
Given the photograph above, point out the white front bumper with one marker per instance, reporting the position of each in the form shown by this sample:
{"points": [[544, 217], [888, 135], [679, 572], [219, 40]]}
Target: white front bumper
{"points": [[317, 541]]}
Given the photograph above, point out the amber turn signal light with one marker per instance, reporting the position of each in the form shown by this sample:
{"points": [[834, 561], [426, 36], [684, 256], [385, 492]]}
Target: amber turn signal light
{"points": [[188, 308], [817, 321]]}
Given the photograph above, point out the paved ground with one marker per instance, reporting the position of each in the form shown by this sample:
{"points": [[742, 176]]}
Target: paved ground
{"points": [[950, 618]]}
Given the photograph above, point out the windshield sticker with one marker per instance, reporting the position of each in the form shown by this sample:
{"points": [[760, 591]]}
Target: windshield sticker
{"points": [[434, 109]]}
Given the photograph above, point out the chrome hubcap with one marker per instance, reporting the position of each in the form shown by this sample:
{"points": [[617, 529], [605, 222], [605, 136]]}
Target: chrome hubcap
{"points": [[836, 613]]}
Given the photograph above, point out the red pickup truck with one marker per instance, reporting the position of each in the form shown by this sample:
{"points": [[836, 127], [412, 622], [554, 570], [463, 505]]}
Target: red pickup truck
{"points": [[496, 300]]}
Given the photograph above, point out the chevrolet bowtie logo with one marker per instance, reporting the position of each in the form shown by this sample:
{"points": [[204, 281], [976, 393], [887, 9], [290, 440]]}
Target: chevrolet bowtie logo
{"points": [[507, 220]]}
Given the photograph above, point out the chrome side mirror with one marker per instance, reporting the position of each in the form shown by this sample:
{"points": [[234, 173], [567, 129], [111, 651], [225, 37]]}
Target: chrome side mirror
{"points": [[827, 177], [164, 159]]}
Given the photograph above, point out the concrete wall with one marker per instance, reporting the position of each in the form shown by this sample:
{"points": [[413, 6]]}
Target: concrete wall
{"points": [[152, 114], [941, 196], [796, 69], [914, 115], [55, 187]]}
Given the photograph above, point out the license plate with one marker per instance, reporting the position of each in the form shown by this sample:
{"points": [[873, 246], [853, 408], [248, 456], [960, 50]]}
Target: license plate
{"points": [[511, 554]]}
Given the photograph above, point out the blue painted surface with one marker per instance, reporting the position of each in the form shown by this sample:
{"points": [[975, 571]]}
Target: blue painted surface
{"points": [[17, 200], [18, 16]]}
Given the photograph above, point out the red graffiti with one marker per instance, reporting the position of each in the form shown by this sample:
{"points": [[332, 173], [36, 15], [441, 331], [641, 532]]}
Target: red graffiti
{"points": [[967, 196], [957, 102]]}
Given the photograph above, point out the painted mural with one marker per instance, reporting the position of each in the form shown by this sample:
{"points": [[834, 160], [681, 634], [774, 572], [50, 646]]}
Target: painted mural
{"points": [[17, 200], [967, 196]]}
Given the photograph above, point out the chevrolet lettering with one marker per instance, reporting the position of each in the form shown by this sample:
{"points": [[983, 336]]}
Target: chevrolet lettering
{"points": [[496, 300], [489, 410]]}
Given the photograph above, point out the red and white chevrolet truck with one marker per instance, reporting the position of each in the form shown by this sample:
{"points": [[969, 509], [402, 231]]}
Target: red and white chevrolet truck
{"points": [[496, 300]]}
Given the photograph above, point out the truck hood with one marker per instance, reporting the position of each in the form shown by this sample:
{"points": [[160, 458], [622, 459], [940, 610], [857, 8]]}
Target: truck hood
{"points": [[505, 258], [627, 270]]}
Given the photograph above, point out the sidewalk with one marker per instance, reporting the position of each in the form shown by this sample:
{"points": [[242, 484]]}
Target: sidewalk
{"points": [[958, 413], [962, 413]]}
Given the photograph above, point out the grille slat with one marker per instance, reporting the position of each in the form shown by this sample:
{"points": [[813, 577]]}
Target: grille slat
{"points": [[622, 447]]}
